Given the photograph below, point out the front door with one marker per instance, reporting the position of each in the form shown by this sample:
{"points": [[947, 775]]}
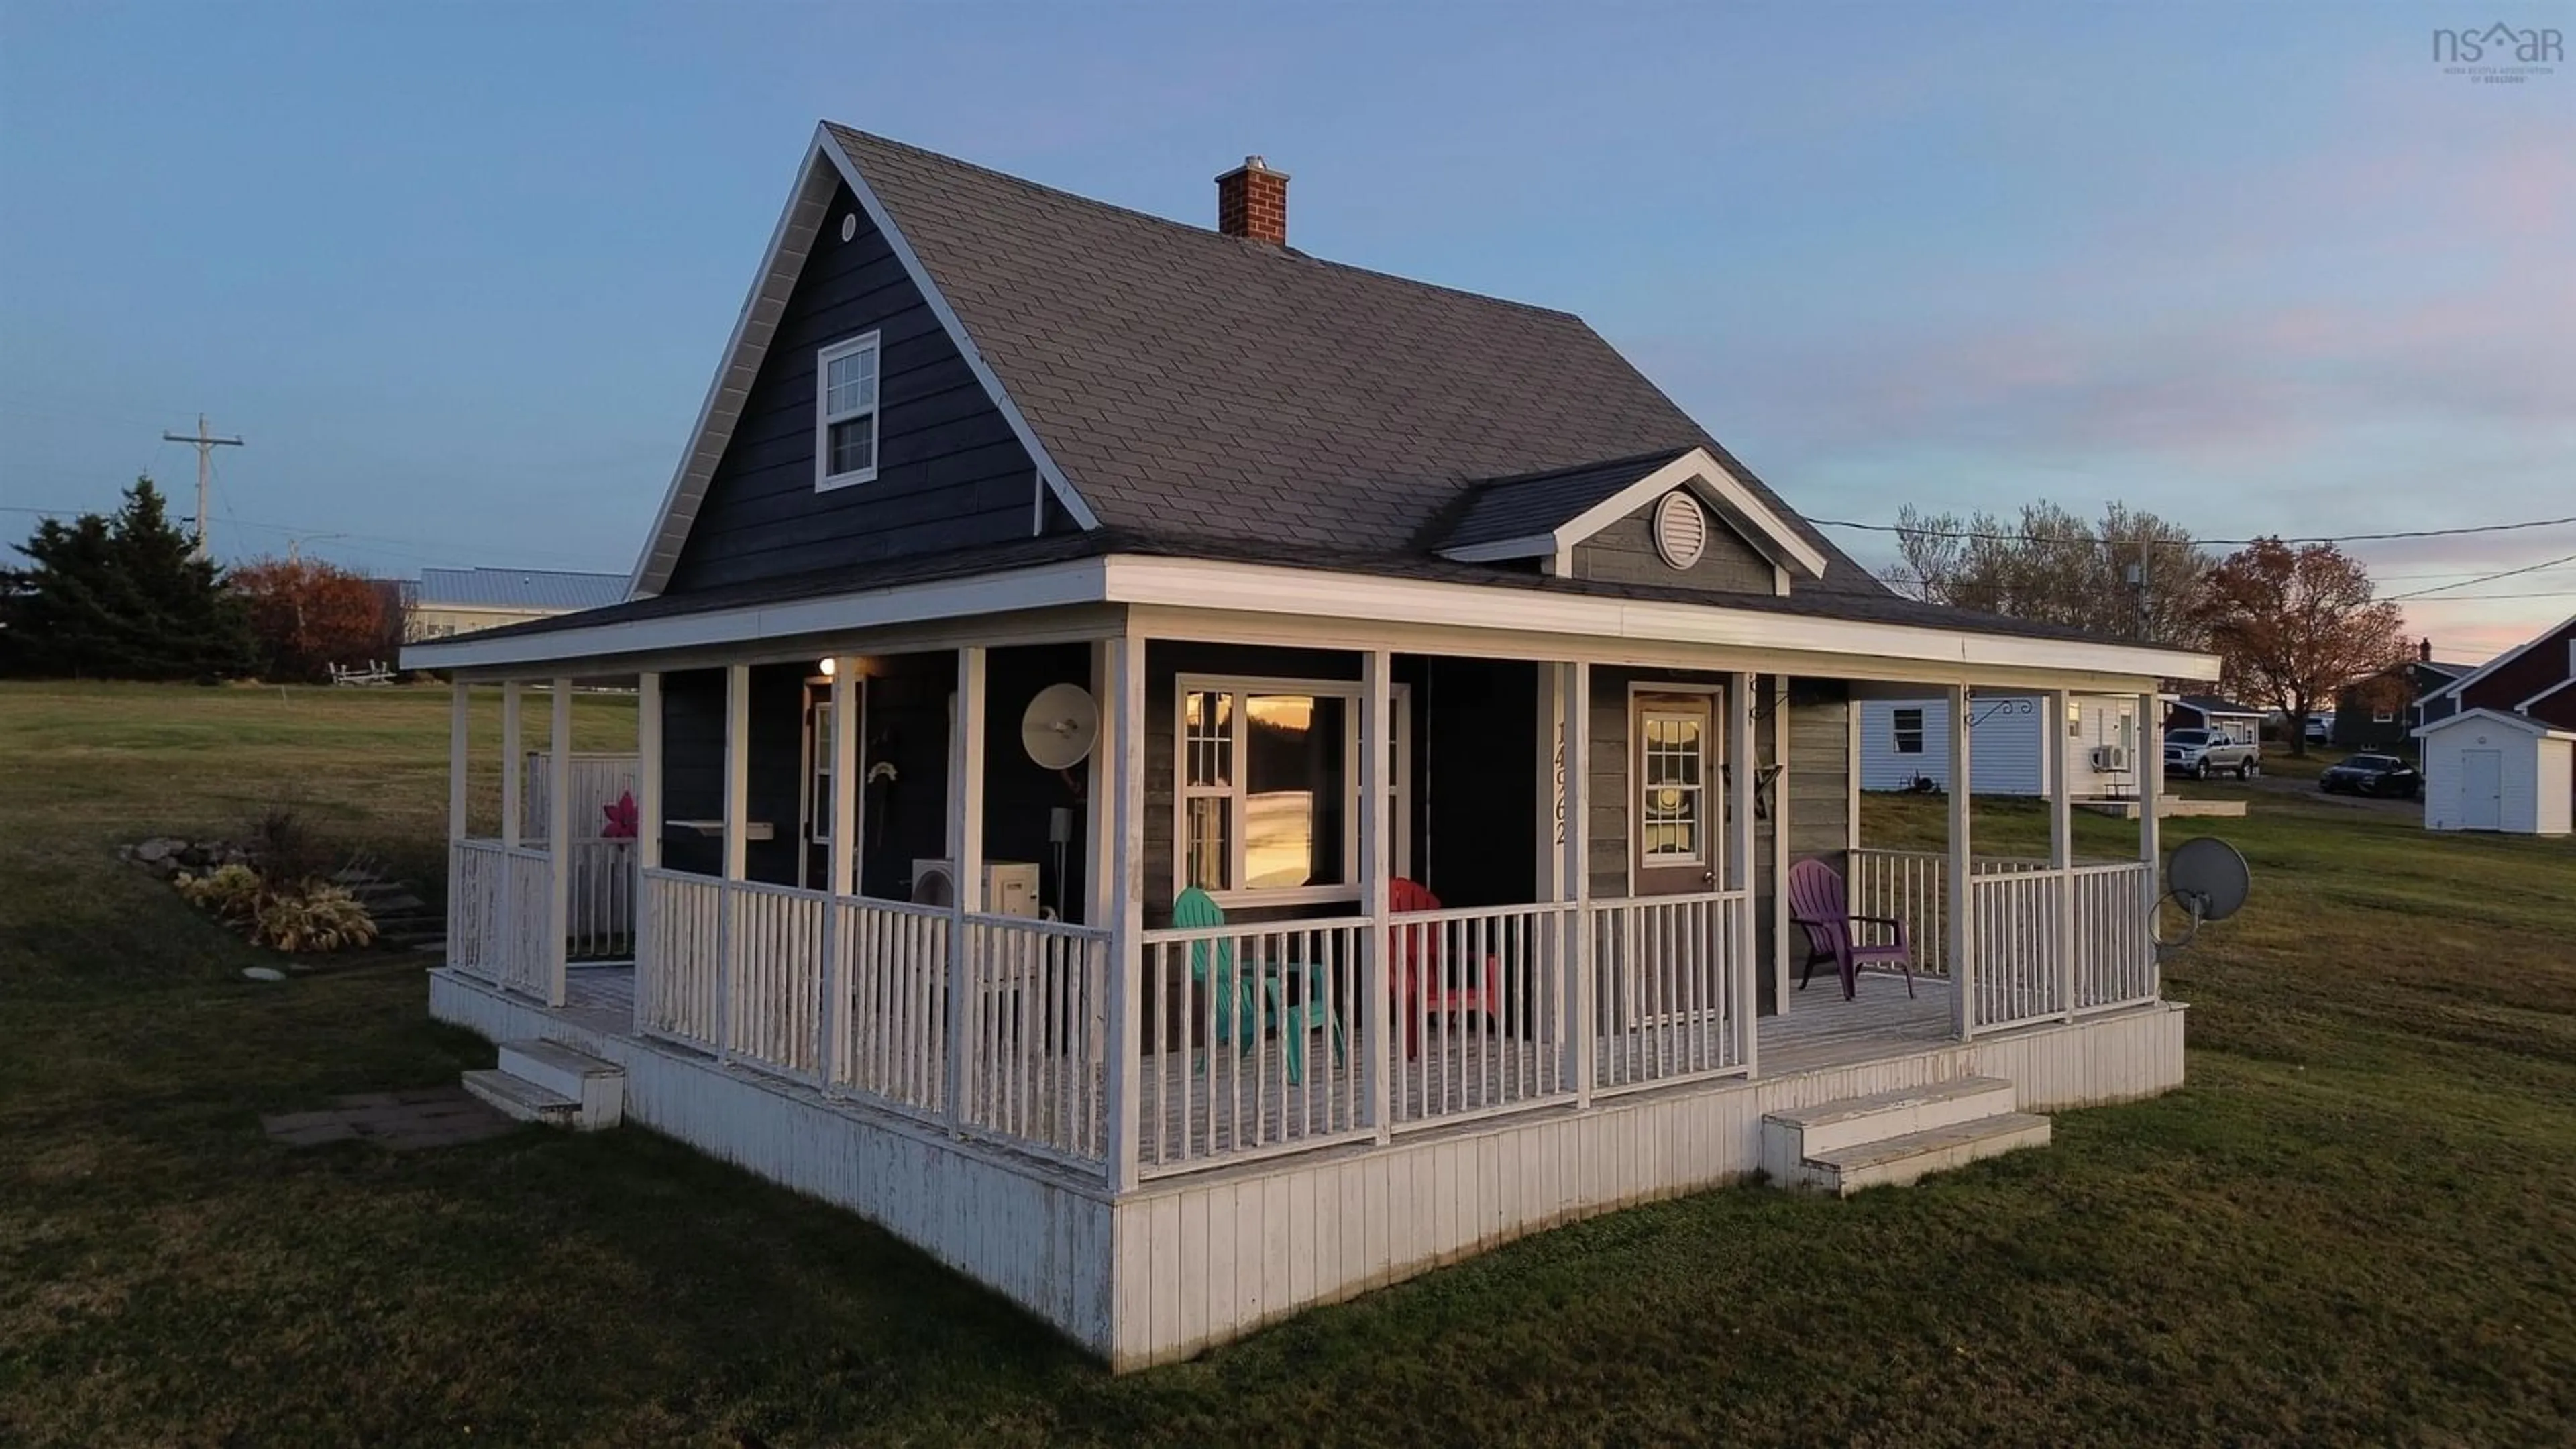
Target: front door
{"points": [[2481, 789], [1673, 847]]}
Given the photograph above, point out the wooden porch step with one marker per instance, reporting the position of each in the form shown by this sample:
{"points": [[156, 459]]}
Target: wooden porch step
{"points": [[1897, 1161], [1827, 1126], [522, 1100], [1892, 1138], [598, 1088]]}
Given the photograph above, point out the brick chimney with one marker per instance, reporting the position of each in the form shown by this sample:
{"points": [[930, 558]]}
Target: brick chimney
{"points": [[2424, 650], [1252, 201]]}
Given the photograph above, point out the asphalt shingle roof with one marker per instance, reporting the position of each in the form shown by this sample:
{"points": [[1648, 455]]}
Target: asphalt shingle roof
{"points": [[1208, 386], [1507, 508], [516, 589]]}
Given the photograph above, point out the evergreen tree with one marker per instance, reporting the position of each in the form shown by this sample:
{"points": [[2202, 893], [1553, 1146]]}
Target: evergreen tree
{"points": [[118, 596]]}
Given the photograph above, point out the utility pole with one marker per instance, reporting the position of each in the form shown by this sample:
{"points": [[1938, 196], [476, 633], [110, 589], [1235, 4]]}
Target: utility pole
{"points": [[205, 444]]}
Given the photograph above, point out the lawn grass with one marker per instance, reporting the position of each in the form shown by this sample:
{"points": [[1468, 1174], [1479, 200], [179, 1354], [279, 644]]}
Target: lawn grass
{"points": [[2357, 1223]]}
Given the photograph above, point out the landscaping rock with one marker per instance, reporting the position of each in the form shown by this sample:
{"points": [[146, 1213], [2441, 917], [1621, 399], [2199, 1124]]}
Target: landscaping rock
{"points": [[263, 973], [158, 849]]}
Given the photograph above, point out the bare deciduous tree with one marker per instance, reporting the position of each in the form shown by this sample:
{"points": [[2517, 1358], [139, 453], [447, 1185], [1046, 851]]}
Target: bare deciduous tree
{"points": [[2051, 566]]}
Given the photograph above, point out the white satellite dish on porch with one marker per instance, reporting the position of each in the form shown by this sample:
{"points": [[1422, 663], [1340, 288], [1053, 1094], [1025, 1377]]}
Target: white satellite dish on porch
{"points": [[1060, 726]]}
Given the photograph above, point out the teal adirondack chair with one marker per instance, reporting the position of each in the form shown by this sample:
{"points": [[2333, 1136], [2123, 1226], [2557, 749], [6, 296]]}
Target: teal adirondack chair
{"points": [[1239, 1013]]}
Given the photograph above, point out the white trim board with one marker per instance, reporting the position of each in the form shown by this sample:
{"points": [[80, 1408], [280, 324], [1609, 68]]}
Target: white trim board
{"points": [[1391, 605], [2520, 722], [1735, 502], [826, 166]]}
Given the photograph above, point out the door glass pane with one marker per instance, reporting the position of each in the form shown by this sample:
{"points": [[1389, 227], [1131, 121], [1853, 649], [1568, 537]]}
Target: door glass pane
{"points": [[1670, 789]]}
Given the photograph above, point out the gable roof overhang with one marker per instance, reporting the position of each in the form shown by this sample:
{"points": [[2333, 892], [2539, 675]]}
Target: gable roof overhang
{"points": [[826, 168], [2507, 657], [2212, 706], [2519, 722], [1739, 505]]}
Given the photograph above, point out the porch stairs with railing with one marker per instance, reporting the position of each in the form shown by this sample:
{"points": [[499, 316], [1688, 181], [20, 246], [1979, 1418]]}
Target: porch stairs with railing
{"points": [[1889, 1139]]}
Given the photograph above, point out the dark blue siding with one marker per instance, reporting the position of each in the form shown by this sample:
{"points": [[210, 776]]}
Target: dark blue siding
{"points": [[950, 475]]}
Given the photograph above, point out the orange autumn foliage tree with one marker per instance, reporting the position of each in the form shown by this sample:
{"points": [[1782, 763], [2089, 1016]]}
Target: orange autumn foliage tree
{"points": [[2293, 625], [308, 616]]}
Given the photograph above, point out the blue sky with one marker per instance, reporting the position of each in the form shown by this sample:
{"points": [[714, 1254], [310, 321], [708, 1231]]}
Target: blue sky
{"points": [[460, 272]]}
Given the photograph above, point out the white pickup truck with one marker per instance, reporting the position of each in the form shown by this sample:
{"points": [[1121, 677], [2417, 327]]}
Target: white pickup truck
{"points": [[2199, 754]]}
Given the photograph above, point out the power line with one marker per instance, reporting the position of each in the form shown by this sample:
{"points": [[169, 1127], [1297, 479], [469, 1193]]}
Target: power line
{"points": [[2481, 579], [1989, 537]]}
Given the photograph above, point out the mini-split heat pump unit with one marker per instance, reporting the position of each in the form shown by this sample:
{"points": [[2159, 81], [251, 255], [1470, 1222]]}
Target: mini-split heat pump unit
{"points": [[1010, 886], [2111, 757]]}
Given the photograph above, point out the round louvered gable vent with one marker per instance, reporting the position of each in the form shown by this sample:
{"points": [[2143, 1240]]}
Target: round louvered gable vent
{"points": [[1681, 529], [849, 226]]}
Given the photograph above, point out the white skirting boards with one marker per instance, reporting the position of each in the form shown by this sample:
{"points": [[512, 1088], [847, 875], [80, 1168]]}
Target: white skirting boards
{"points": [[1183, 1264]]}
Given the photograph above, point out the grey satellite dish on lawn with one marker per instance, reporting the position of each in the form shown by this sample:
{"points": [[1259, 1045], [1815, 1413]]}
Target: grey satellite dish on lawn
{"points": [[2208, 879], [1060, 726]]}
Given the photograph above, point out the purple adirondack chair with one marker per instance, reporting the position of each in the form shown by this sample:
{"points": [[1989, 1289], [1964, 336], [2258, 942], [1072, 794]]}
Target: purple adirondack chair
{"points": [[1817, 902]]}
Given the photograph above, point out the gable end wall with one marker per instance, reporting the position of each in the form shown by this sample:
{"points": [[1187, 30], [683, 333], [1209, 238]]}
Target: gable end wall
{"points": [[950, 475], [1624, 552]]}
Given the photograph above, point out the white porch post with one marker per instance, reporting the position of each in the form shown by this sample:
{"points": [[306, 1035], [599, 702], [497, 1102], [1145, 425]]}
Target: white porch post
{"points": [[1377, 1005], [1963, 963], [559, 842], [737, 807], [648, 836], [459, 734], [502, 953], [1575, 873], [1120, 868], [966, 827], [1851, 776], [1779, 704], [1550, 765], [843, 849], [2061, 842], [513, 767], [2151, 789], [1740, 768]]}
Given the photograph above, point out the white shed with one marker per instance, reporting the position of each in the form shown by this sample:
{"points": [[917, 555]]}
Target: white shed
{"points": [[1906, 740], [2488, 770]]}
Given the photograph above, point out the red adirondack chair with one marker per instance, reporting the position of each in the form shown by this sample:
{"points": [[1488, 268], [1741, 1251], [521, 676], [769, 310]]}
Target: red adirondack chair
{"points": [[1421, 980], [1817, 902]]}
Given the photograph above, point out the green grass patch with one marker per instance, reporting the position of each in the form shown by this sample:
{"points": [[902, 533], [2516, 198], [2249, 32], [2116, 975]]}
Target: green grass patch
{"points": [[2356, 1224]]}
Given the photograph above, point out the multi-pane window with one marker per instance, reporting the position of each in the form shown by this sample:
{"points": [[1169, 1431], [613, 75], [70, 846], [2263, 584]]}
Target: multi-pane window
{"points": [[845, 401], [1267, 777], [1671, 789], [1909, 731]]}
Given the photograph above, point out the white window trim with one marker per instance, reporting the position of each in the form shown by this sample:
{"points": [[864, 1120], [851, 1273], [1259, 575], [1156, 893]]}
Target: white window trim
{"points": [[1237, 789], [824, 417], [1896, 731]]}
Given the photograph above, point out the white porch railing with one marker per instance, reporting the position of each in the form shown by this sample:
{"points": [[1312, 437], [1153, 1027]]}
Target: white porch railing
{"points": [[1667, 989], [2115, 953], [477, 892], [1913, 886], [1035, 1041], [599, 906], [897, 966], [1253, 1035], [1484, 1005], [679, 955]]}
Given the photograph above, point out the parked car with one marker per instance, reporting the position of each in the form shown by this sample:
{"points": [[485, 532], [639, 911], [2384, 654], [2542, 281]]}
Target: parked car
{"points": [[2384, 775], [2201, 753]]}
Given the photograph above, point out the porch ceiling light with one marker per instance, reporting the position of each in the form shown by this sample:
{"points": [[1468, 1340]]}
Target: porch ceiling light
{"points": [[826, 667]]}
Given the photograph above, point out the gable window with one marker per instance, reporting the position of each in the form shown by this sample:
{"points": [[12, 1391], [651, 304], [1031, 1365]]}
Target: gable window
{"points": [[845, 413], [1909, 731], [1266, 788]]}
